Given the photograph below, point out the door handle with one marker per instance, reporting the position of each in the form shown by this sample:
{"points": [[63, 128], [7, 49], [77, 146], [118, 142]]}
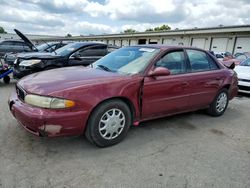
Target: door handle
{"points": [[218, 78], [183, 84]]}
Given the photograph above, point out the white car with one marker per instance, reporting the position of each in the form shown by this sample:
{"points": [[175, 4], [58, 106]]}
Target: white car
{"points": [[243, 71]]}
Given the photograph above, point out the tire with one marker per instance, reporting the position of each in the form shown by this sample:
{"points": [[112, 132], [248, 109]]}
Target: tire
{"points": [[219, 104], [109, 123], [6, 79]]}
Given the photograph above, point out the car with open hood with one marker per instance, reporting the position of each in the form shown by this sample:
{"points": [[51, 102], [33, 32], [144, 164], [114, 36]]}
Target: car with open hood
{"points": [[72, 54], [16, 46], [28, 46], [128, 86], [9, 58]]}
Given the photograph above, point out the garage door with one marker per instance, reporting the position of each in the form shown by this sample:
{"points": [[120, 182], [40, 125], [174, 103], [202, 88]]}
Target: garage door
{"points": [[199, 42], [133, 42], [125, 42], [118, 42], [219, 44], [242, 44], [167, 41]]}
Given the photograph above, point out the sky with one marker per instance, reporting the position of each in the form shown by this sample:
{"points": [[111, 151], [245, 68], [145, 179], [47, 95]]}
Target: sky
{"points": [[84, 17]]}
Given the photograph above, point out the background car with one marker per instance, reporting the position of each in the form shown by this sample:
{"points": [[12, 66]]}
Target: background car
{"points": [[128, 86], [15, 46], [73, 54], [9, 58], [243, 71], [242, 56]]}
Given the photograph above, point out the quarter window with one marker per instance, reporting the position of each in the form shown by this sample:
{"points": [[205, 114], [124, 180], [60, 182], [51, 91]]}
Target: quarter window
{"points": [[174, 62], [200, 61]]}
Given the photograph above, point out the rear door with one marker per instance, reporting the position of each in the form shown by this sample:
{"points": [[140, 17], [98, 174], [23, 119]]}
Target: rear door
{"points": [[205, 78], [166, 94]]}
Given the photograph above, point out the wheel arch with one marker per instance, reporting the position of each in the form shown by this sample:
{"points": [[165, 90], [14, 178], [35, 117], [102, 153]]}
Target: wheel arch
{"points": [[121, 98], [227, 86]]}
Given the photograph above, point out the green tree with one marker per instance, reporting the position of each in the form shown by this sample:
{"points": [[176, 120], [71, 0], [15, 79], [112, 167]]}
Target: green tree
{"points": [[149, 30], [68, 35], [129, 31], [161, 28], [2, 30]]}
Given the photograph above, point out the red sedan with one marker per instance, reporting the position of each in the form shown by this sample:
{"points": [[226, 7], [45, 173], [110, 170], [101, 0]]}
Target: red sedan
{"points": [[128, 86]]}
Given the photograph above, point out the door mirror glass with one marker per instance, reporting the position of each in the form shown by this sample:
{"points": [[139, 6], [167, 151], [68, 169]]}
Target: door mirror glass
{"points": [[159, 71]]}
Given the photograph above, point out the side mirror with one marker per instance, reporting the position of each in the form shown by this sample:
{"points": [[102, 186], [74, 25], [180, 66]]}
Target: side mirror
{"points": [[229, 64], [159, 71], [75, 56]]}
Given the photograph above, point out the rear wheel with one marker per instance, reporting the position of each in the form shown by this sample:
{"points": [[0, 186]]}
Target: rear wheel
{"points": [[6, 79], [219, 105], [109, 123]]}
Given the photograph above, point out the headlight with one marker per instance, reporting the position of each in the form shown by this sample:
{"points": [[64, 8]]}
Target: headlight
{"points": [[27, 63], [15, 62], [48, 102]]}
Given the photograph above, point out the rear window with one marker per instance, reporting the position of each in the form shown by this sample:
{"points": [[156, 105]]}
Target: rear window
{"points": [[200, 61]]}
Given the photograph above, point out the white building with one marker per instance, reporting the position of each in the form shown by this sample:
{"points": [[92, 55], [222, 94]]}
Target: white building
{"points": [[10, 36], [219, 39]]}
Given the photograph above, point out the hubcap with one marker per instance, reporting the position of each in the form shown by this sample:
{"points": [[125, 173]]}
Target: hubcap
{"points": [[111, 124], [221, 102]]}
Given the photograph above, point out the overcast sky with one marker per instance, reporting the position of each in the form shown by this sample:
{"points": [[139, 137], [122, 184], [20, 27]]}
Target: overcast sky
{"points": [[83, 17]]}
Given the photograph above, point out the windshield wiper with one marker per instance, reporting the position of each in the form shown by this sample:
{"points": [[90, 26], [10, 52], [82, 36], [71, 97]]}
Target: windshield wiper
{"points": [[105, 68], [53, 50]]}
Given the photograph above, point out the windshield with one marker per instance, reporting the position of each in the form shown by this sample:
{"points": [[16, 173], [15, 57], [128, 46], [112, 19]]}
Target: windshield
{"points": [[67, 49], [245, 63], [128, 60]]}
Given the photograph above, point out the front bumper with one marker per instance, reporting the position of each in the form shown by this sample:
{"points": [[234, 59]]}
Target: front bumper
{"points": [[18, 74], [47, 122], [244, 86]]}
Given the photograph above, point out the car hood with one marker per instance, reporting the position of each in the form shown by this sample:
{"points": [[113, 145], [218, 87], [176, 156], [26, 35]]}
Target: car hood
{"points": [[38, 55], [243, 72], [26, 40], [62, 79]]}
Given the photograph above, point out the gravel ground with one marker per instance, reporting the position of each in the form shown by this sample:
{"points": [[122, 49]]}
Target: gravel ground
{"points": [[187, 150]]}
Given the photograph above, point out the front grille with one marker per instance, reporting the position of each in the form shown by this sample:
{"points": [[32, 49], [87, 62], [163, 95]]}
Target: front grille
{"points": [[245, 88], [243, 80], [20, 92]]}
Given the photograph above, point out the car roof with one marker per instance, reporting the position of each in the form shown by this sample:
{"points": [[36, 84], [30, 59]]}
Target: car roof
{"points": [[89, 43], [165, 46]]}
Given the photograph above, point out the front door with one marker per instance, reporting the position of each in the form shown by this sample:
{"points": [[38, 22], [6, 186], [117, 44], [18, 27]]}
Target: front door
{"points": [[88, 55], [164, 95]]}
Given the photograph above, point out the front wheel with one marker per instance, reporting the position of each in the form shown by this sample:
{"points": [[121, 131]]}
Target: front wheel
{"points": [[219, 104], [109, 123]]}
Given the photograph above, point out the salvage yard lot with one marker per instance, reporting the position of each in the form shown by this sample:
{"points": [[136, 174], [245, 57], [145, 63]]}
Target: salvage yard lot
{"points": [[187, 150]]}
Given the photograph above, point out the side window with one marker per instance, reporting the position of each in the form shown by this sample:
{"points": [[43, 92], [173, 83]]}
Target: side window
{"points": [[200, 61], [246, 62], [19, 44], [94, 51], [7, 43], [174, 62]]}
